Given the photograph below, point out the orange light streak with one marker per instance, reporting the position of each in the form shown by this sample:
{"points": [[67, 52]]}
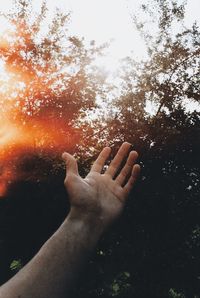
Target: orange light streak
{"points": [[16, 140], [25, 83]]}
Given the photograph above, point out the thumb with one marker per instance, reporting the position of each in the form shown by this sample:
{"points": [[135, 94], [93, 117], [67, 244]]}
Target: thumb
{"points": [[71, 163]]}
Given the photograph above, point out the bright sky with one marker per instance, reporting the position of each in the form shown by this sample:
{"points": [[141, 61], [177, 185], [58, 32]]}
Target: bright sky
{"points": [[103, 20]]}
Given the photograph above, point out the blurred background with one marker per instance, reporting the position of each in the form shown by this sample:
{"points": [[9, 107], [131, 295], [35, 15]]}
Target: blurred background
{"points": [[76, 76]]}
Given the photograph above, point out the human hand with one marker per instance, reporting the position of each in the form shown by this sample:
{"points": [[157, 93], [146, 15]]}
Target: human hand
{"points": [[98, 197]]}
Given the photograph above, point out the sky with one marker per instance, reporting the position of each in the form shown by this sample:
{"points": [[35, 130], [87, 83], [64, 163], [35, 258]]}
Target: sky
{"points": [[106, 20], [102, 21]]}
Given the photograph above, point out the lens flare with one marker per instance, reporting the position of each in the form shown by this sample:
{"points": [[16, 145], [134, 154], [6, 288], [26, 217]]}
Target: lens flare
{"points": [[31, 116]]}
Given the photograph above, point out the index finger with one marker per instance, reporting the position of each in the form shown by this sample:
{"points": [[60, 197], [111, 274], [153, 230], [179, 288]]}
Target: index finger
{"points": [[116, 162], [100, 161]]}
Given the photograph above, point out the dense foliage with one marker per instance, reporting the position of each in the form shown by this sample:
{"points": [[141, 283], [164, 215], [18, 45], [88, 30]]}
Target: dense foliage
{"points": [[153, 251]]}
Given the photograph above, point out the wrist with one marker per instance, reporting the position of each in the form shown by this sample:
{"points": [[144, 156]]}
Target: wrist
{"points": [[88, 220]]}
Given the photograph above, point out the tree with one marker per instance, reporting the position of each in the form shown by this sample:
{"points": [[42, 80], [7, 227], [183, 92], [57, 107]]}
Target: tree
{"points": [[153, 251], [48, 84], [161, 242]]}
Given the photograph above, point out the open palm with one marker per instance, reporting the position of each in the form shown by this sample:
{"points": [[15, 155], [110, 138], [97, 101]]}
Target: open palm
{"points": [[101, 195]]}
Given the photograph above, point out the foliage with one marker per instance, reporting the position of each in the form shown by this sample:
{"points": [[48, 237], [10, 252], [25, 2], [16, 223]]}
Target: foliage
{"points": [[153, 250], [49, 79], [174, 294], [48, 85], [158, 240], [16, 265]]}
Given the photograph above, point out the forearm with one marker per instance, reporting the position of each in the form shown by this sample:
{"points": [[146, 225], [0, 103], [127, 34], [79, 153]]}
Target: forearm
{"points": [[96, 202], [54, 269]]}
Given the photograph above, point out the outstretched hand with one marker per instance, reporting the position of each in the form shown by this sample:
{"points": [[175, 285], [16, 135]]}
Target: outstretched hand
{"points": [[96, 201], [101, 196]]}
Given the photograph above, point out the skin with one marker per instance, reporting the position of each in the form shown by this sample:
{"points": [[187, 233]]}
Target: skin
{"points": [[96, 201]]}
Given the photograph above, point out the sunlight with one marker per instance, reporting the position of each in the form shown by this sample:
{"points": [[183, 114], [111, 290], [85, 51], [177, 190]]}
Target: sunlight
{"points": [[101, 21], [105, 21], [24, 83], [8, 132], [5, 25], [29, 118], [108, 63]]}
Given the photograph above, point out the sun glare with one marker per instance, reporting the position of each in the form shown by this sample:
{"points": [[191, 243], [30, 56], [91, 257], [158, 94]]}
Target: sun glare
{"points": [[26, 84], [8, 133], [28, 118]]}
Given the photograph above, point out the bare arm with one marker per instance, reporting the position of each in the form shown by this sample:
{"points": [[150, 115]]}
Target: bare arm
{"points": [[96, 201]]}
